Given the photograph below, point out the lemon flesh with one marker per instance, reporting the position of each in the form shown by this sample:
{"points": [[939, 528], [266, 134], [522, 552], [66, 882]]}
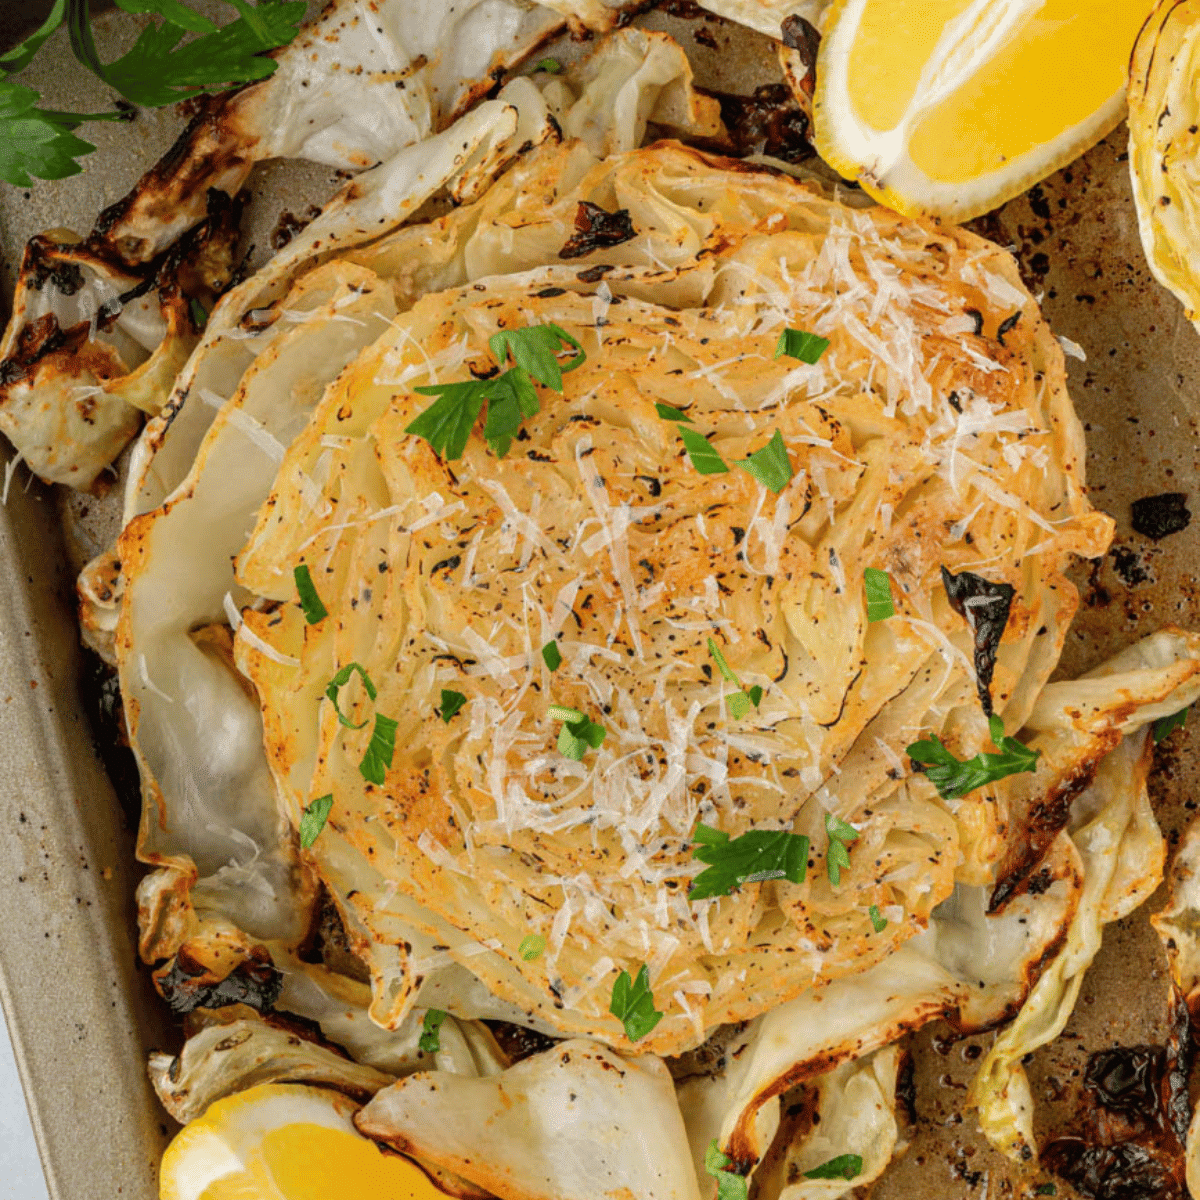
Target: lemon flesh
{"points": [[285, 1142], [949, 107]]}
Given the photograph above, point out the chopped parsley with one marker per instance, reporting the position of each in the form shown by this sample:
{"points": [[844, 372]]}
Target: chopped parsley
{"points": [[878, 586], [730, 1185], [339, 681], [532, 947], [1164, 725], [807, 347], [382, 747], [1045, 1189], [671, 414], [954, 778], [737, 702], [704, 458], [575, 738], [878, 920], [845, 1166], [550, 65], [447, 422], [313, 819], [451, 703], [756, 856], [770, 464], [431, 1031], [198, 313], [633, 1004], [552, 655], [837, 857], [310, 602]]}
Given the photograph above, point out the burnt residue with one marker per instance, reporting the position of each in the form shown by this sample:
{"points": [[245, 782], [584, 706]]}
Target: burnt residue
{"points": [[1158, 517], [188, 984], [597, 229], [800, 35], [289, 224], [768, 122], [985, 606], [327, 941], [43, 265], [517, 1042], [101, 694], [1129, 566], [1133, 1128]]}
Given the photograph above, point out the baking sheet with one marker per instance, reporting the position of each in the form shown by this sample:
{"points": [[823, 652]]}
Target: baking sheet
{"points": [[82, 1012]]}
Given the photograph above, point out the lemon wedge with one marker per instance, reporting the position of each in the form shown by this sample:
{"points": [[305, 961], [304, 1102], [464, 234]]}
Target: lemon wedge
{"points": [[947, 108], [285, 1142]]}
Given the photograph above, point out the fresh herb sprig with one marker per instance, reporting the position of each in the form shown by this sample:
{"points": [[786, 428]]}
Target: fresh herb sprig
{"points": [[40, 143], [756, 856], [730, 1185], [633, 1004], [510, 396], [837, 857], [954, 778]]}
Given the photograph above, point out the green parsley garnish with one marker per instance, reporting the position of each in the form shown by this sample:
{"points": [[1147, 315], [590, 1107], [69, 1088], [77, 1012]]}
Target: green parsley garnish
{"points": [[837, 857], [671, 414], [770, 465], [382, 747], [730, 1185], [577, 736], [536, 348], [339, 681], [511, 397], [878, 586], [313, 819], [756, 856], [737, 702], [954, 778], [552, 655], [1164, 725], [550, 65], [451, 703], [1045, 1189], [845, 1166], [704, 458], [199, 313], [878, 920], [431, 1035], [532, 947], [807, 347], [156, 70], [633, 1004], [310, 602]]}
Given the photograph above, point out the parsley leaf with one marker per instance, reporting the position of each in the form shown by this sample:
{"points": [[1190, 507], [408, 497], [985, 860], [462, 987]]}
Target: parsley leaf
{"points": [[339, 681], [845, 1166], [532, 947], [451, 703], [878, 586], [382, 747], [1045, 1189], [807, 347], [313, 819], [552, 655], [198, 313], [550, 65], [671, 414], [757, 855], [770, 464], [170, 10], [511, 398], [36, 143], [431, 1036], [310, 602], [954, 778], [1164, 725], [535, 349], [633, 1004], [447, 422], [575, 737], [730, 1185], [756, 695], [157, 70], [738, 702], [704, 458], [837, 857], [20, 56], [878, 920]]}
